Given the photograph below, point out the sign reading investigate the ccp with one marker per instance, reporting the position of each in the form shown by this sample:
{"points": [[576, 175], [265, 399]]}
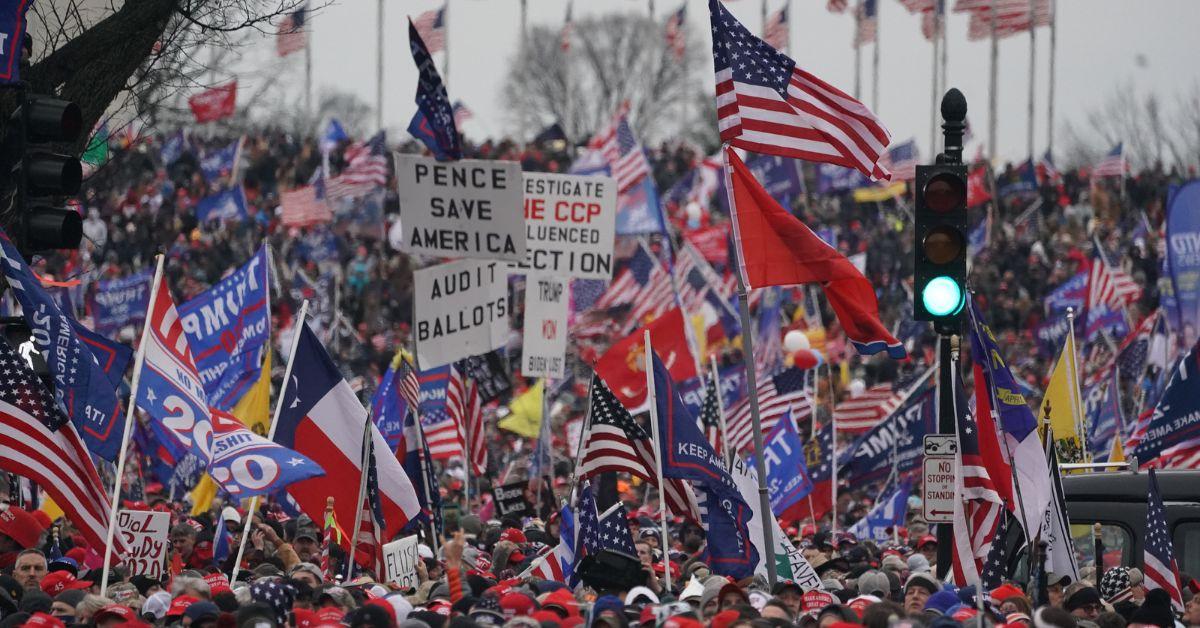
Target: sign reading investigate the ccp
{"points": [[467, 208], [570, 224]]}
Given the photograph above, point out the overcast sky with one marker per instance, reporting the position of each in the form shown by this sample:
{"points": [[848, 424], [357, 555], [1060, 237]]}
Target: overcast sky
{"points": [[1101, 43]]}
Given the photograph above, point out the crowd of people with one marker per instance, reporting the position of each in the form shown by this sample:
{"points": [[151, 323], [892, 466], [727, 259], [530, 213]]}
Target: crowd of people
{"points": [[475, 572]]}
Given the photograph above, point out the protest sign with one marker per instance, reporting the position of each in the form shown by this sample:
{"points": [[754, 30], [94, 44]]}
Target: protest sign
{"points": [[461, 310], [1183, 259], [510, 500], [400, 562], [466, 208], [228, 326], [119, 302], [490, 374], [543, 352], [570, 223], [144, 534]]}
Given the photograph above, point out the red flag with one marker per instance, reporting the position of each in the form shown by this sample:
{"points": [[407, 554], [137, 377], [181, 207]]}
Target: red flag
{"points": [[776, 249], [214, 104], [712, 242], [977, 188], [989, 443], [623, 365]]}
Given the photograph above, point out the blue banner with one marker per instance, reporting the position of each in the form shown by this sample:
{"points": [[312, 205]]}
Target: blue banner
{"points": [[1024, 181], [12, 25], [1183, 258], [432, 101], [898, 440], [388, 410], [833, 179], [228, 204], [887, 513], [1102, 407], [174, 147], [780, 176], [1071, 293], [638, 209], [733, 388], [1051, 334], [1175, 421], [120, 302], [788, 481], [228, 327], [217, 163]]}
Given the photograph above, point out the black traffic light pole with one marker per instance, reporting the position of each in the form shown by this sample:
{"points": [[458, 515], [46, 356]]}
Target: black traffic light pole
{"points": [[954, 114]]}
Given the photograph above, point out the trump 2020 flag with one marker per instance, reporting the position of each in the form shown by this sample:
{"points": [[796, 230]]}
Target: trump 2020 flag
{"points": [[228, 204], [887, 513], [323, 419], [228, 327], [432, 101], [776, 249], [787, 475], [81, 387], [243, 463]]}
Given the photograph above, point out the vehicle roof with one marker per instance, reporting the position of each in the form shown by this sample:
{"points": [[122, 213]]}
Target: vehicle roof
{"points": [[1125, 485]]}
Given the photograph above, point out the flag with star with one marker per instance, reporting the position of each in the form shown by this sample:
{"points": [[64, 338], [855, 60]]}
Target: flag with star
{"points": [[596, 532], [1162, 572], [710, 416], [995, 567]]}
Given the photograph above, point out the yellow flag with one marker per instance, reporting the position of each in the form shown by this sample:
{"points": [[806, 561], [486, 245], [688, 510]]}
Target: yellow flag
{"points": [[700, 332], [878, 194], [254, 408], [1061, 404], [1117, 454], [203, 494], [526, 416], [51, 509]]}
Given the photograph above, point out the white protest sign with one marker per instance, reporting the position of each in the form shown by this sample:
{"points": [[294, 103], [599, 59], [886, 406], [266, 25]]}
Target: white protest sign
{"points": [[466, 208], [570, 224], [461, 311], [543, 352], [144, 534], [400, 561]]}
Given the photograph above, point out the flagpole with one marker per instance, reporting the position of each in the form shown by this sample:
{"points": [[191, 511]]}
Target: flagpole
{"points": [[875, 63], [583, 430], [992, 87], [933, 108], [446, 46], [658, 454], [287, 376], [367, 445], [1032, 73], [763, 12], [379, 64], [1073, 382], [833, 484], [129, 410], [1050, 90], [725, 453], [308, 110], [857, 51], [954, 355], [760, 465], [942, 30]]}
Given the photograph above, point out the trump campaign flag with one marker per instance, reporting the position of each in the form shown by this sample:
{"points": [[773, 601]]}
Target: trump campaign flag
{"points": [[887, 513], [228, 327], [82, 389], [227, 204], [433, 103], [1172, 434], [776, 249], [118, 302], [216, 103], [322, 418], [243, 463], [787, 476]]}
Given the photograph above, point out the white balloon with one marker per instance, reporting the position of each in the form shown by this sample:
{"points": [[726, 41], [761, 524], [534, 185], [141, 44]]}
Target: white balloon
{"points": [[693, 210], [795, 340], [857, 387]]}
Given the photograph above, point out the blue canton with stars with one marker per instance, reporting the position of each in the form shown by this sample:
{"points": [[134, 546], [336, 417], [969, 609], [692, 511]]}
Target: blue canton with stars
{"points": [[750, 59], [610, 532], [1158, 543]]}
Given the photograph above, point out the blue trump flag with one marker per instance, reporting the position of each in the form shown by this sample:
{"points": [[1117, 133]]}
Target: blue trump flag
{"points": [[1174, 425], [887, 513], [81, 387], [780, 177], [12, 24], [832, 178], [174, 147], [114, 357], [423, 130], [388, 410], [788, 481], [220, 162], [1102, 407], [228, 204], [334, 134], [432, 101], [116, 303], [639, 210], [228, 327], [1071, 293], [898, 440], [1183, 257]]}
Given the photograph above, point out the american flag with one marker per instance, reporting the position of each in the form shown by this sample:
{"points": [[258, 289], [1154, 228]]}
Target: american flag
{"points": [[462, 403], [461, 113], [301, 207], [776, 31], [768, 105], [568, 28], [432, 27], [624, 154], [977, 506], [902, 160], [676, 34], [932, 24], [644, 284], [1158, 561], [868, 23], [710, 415], [597, 532], [995, 568], [861, 413], [1108, 285], [291, 36], [698, 282], [613, 441], [1113, 164], [368, 547], [441, 430], [776, 395], [366, 169], [54, 458], [1131, 355], [1011, 17], [918, 6], [410, 384]]}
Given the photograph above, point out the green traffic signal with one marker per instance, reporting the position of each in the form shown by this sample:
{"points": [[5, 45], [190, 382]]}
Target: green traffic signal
{"points": [[942, 296]]}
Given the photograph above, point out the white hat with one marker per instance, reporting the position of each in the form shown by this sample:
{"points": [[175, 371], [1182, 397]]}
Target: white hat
{"points": [[694, 589], [229, 513]]}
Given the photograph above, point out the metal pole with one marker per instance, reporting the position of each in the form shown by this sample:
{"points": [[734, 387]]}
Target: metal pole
{"points": [[763, 11], [446, 48], [379, 64], [650, 3], [833, 484], [658, 454], [992, 87], [1050, 90], [875, 64], [287, 376], [857, 53], [362, 494], [946, 425], [1032, 82], [941, 21], [933, 106], [760, 466], [726, 455], [1073, 382], [308, 110], [139, 361]]}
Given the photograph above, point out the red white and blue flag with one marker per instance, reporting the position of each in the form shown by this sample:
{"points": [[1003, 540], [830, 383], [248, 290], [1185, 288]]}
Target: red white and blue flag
{"points": [[432, 27], [978, 508], [323, 419], [902, 160], [624, 153], [676, 32], [1113, 164], [1158, 561]]}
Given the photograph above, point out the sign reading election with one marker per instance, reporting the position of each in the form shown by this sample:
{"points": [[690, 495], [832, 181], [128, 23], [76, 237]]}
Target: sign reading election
{"points": [[228, 326], [461, 310], [570, 223], [466, 208], [543, 353]]}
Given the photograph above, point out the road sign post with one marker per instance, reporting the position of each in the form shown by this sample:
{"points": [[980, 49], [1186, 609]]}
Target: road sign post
{"points": [[938, 472]]}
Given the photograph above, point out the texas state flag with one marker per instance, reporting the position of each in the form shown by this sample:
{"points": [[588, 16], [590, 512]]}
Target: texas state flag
{"points": [[324, 420]]}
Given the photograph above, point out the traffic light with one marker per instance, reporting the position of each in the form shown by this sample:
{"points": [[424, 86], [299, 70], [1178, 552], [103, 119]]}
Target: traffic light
{"points": [[42, 175], [941, 245]]}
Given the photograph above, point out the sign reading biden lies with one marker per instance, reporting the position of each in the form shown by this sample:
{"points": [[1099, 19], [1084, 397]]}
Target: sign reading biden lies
{"points": [[466, 208], [461, 310]]}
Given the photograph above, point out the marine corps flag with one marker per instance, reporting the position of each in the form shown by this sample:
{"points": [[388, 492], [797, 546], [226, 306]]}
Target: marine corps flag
{"points": [[622, 365]]}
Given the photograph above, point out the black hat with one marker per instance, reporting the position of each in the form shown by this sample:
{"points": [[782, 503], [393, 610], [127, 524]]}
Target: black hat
{"points": [[1082, 597], [1156, 610]]}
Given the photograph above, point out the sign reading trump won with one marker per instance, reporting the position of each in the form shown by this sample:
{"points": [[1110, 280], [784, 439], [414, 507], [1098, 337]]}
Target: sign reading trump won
{"points": [[466, 208], [461, 310], [570, 223], [544, 345]]}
